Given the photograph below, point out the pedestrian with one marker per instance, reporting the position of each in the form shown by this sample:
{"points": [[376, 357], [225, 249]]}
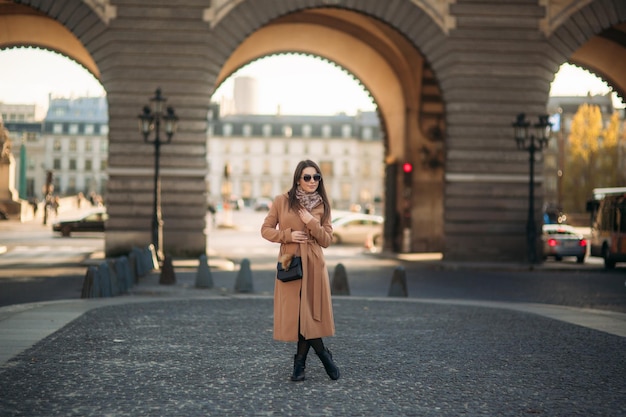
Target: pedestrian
{"points": [[303, 310], [55, 205]]}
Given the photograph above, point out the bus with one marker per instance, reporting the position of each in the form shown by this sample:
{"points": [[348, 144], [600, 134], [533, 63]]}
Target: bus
{"points": [[608, 225]]}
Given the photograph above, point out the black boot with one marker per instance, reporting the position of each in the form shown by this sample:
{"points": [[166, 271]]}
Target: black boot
{"points": [[298, 368], [327, 359]]}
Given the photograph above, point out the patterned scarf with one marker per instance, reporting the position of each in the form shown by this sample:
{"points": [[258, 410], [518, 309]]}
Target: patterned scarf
{"points": [[308, 200]]}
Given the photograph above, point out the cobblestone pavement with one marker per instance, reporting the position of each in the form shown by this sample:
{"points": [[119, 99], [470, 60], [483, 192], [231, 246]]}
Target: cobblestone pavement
{"points": [[215, 356]]}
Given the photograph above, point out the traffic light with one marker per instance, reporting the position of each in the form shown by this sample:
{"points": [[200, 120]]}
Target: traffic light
{"points": [[407, 172]]}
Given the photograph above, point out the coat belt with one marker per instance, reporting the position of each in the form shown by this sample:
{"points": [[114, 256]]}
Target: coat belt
{"points": [[317, 284]]}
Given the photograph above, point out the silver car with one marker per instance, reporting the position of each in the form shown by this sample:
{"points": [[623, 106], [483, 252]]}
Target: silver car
{"points": [[560, 240], [357, 228]]}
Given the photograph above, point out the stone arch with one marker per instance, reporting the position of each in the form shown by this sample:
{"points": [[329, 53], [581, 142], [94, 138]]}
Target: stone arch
{"points": [[397, 76], [52, 30], [594, 37]]}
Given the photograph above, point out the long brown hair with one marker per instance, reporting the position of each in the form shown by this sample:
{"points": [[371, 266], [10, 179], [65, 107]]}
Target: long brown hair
{"points": [[293, 200]]}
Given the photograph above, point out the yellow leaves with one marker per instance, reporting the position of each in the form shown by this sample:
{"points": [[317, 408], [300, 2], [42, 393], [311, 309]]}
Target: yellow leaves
{"points": [[611, 133], [591, 155], [586, 132]]}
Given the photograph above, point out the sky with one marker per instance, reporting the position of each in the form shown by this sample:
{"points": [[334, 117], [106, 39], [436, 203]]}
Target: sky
{"points": [[299, 84]]}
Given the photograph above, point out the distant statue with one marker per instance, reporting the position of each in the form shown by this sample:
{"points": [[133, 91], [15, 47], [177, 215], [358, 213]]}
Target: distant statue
{"points": [[5, 144]]}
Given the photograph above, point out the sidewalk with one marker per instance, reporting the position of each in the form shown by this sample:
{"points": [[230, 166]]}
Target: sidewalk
{"points": [[178, 350]]}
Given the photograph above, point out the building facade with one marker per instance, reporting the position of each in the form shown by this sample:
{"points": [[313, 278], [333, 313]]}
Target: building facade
{"points": [[75, 134], [254, 156], [71, 143], [448, 78]]}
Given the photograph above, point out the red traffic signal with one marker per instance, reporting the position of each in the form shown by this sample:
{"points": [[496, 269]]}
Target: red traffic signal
{"points": [[407, 167]]}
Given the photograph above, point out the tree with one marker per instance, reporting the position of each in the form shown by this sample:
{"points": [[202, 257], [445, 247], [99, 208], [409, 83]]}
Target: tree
{"points": [[591, 156]]}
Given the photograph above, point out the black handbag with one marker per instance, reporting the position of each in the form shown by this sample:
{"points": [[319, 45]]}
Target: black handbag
{"points": [[293, 271]]}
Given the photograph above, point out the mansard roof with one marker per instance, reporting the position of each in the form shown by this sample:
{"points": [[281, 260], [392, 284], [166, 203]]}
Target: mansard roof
{"points": [[78, 110], [297, 123]]}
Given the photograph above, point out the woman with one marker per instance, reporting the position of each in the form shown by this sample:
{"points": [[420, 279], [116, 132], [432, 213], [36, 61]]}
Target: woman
{"points": [[303, 311]]}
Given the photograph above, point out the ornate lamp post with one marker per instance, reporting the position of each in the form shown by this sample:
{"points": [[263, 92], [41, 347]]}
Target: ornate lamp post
{"points": [[531, 141], [150, 121]]}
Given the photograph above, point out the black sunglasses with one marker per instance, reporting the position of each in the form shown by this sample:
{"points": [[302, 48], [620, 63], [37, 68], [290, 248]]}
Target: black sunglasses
{"points": [[316, 177]]}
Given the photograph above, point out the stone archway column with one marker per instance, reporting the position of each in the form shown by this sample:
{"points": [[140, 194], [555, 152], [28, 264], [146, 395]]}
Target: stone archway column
{"points": [[176, 58], [131, 174], [502, 67]]}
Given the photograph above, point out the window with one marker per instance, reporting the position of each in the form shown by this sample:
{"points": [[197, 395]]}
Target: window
{"points": [[327, 168], [367, 133], [72, 165], [73, 145], [71, 185], [104, 129], [57, 128], [227, 129], [267, 130], [346, 131], [88, 165], [57, 145], [89, 129], [103, 165], [56, 164], [326, 131], [247, 130], [306, 131], [88, 146], [266, 188], [73, 129], [287, 131]]}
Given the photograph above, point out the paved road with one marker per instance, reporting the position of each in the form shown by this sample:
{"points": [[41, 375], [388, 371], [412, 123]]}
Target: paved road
{"points": [[469, 340], [214, 356]]}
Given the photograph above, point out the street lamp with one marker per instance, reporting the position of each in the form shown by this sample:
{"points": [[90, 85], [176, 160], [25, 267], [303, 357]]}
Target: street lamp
{"points": [[531, 140], [149, 121]]}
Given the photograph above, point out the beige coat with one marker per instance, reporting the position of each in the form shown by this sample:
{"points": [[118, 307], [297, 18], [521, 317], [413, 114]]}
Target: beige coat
{"points": [[308, 298]]}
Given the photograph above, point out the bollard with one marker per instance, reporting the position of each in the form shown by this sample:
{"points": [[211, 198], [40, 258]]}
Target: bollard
{"points": [[121, 271], [88, 282], [115, 286], [398, 286], [243, 283], [168, 276], [105, 279], [128, 272], [132, 267], [147, 259], [95, 285], [140, 265], [203, 276], [339, 285]]}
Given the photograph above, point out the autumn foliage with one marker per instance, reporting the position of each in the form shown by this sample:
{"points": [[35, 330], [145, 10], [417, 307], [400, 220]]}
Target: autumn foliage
{"points": [[591, 157]]}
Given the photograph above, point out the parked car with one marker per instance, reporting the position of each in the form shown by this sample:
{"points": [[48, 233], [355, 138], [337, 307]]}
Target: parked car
{"points": [[262, 204], [357, 228], [560, 240], [92, 222]]}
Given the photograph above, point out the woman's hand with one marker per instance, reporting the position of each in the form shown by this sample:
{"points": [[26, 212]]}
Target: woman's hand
{"points": [[305, 215], [299, 237]]}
